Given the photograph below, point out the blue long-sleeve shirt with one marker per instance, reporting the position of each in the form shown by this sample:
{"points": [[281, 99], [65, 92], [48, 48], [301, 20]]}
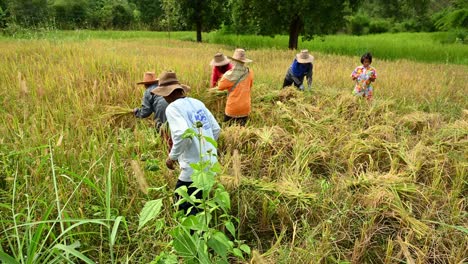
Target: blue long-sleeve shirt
{"points": [[153, 104], [298, 71]]}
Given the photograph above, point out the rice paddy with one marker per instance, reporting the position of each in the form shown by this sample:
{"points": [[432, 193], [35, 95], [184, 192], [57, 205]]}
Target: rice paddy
{"points": [[319, 177]]}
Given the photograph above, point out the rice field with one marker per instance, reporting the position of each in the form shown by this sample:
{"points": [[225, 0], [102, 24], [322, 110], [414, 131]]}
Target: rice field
{"points": [[319, 177], [434, 47]]}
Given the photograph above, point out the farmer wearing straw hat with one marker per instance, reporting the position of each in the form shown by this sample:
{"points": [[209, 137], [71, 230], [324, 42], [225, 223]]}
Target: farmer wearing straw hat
{"points": [[154, 104], [151, 103], [220, 65], [182, 113], [238, 82], [301, 67]]}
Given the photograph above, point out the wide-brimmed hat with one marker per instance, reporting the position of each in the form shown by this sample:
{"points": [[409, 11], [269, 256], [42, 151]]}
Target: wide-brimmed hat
{"points": [[239, 55], [168, 83], [304, 57], [219, 60], [149, 78]]}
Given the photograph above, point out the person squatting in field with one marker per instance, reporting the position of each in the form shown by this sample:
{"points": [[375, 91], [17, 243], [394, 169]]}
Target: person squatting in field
{"points": [[220, 65], [238, 82], [364, 76], [182, 113], [152, 103], [302, 66]]}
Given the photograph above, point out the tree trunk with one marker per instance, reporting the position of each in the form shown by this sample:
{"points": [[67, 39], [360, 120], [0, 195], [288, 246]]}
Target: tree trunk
{"points": [[199, 29], [294, 29]]}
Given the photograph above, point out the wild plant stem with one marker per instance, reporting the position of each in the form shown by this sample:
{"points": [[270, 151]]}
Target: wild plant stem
{"points": [[108, 208], [57, 200], [20, 250]]}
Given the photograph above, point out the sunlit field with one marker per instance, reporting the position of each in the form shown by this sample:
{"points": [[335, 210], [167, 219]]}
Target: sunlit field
{"points": [[433, 47], [315, 177]]}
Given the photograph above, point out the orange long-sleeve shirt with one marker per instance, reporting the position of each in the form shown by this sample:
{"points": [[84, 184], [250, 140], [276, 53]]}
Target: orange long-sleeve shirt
{"points": [[239, 100]]}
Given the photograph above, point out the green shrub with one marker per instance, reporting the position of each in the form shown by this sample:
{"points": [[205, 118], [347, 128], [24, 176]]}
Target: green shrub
{"points": [[452, 20], [379, 26], [2, 18], [358, 24]]}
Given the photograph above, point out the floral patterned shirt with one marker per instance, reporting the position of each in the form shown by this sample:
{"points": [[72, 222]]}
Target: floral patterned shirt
{"points": [[363, 78]]}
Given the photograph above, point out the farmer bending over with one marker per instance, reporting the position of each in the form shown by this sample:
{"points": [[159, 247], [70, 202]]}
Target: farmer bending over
{"points": [[238, 82], [152, 103], [182, 113], [302, 66], [220, 65]]}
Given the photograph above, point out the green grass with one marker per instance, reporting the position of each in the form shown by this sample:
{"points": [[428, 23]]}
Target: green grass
{"points": [[423, 47]]}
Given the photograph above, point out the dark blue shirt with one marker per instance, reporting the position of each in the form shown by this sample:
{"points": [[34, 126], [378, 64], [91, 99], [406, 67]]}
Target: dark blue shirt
{"points": [[300, 69]]}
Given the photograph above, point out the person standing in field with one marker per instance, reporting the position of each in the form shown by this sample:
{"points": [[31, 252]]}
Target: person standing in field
{"points": [[302, 66], [152, 103], [220, 65], [364, 76], [182, 113], [238, 83]]}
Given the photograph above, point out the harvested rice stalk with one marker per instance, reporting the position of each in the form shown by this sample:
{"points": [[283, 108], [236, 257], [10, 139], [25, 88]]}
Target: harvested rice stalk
{"points": [[112, 111], [139, 176], [280, 189]]}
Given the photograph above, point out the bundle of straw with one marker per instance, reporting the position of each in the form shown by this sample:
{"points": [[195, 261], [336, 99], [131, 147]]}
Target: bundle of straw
{"points": [[217, 92], [113, 110], [116, 113]]}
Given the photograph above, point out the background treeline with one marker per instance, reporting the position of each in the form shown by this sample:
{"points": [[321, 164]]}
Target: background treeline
{"points": [[263, 17]]}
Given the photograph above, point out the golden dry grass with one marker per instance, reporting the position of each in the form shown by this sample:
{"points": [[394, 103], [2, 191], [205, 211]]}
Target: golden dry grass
{"points": [[318, 178]]}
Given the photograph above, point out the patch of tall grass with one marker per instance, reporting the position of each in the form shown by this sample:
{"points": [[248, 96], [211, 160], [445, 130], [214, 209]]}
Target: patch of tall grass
{"points": [[318, 177], [423, 47]]}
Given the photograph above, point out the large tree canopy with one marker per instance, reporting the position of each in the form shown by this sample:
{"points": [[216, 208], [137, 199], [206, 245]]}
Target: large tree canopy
{"points": [[204, 15], [264, 17], [300, 17]]}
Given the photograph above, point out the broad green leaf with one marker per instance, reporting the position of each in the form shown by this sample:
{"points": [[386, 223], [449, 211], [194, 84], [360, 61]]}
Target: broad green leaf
{"points": [[212, 141], [195, 222], [220, 244], [196, 166], [238, 253], [149, 212], [182, 191], [230, 227], [7, 259], [189, 133], [216, 168], [245, 248], [222, 199], [203, 257], [185, 244], [203, 180]]}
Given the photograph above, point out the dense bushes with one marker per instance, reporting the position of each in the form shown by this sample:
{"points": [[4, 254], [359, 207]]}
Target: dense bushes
{"points": [[379, 26], [69, 14]]}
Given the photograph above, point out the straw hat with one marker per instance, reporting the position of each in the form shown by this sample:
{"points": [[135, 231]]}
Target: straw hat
{"points": [[304, 57], [168, 83], [149, 78], [219, 60], [239, 55]]}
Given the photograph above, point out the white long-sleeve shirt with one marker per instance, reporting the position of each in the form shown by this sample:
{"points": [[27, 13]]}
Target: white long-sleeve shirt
{"points": [[181, 115]]}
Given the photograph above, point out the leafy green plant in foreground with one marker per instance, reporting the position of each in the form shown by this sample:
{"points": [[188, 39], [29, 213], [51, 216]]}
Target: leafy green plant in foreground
{"points": [[52, 239], [200, 238]]}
